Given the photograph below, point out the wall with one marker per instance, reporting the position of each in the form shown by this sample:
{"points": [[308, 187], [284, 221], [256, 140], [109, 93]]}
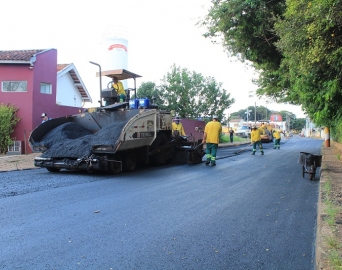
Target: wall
{"points": [[32, 103], [45, 70], [21, 100], [189, 128], [68, 94]]}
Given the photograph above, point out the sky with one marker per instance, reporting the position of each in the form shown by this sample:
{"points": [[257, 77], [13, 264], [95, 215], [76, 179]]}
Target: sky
{"points": [[160, 34]]}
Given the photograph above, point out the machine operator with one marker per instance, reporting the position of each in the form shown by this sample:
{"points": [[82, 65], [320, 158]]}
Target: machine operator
{"points": [[118, 86]]}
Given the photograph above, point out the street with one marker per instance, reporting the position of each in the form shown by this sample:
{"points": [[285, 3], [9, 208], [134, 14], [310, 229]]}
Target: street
{"points": [[248, 212]]}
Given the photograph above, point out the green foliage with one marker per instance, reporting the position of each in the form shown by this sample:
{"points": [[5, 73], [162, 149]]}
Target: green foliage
{"points": [[298, 124], [190, 94], [149, 90], [246, 28], [226, 139], [8, 120], [262, 113], [334, 259], [237, 115], [295, 45], [247, 31], [336, 130], [312, 57]]}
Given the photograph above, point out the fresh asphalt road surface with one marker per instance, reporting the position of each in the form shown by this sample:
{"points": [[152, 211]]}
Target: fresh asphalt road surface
{"points": [[248, 212]]}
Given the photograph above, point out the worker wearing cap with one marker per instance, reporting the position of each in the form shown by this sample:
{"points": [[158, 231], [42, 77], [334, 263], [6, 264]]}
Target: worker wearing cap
{"points": [[256, 140], [178, 127], [277, 137], [45, 117], [211, 138], [118, 86]]}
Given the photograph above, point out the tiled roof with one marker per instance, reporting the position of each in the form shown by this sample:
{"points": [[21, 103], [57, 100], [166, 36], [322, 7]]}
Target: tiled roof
{"points": [[23, 55], [61, 66]]}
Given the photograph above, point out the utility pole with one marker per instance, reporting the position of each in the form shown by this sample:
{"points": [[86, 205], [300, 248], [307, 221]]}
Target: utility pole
{"points": [[266, 112], [287, 123], [254, 112], [247, 113], [228, 120]]}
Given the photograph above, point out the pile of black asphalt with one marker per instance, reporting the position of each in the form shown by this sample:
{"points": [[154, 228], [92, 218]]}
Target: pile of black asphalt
{"points": [[72, 140]]}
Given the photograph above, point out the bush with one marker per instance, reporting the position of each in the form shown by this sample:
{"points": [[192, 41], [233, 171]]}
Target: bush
{"points": [[336, 131], [8, 120]]}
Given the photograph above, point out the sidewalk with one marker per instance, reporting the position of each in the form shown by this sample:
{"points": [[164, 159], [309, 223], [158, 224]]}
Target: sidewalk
{"points": [[17, 162], [331, 174]]}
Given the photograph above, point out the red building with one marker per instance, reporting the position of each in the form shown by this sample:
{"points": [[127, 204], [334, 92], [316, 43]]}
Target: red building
{"points": [[32, 81], [276, 118]]}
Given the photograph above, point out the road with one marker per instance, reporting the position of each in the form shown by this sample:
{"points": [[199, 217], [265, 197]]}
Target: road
{"points": [[248, 212]]}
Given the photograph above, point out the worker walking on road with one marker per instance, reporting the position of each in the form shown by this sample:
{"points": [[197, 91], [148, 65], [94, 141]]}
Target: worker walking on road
{"points": [[277, 137], [256, 140], [211, 138], [177, 127]]}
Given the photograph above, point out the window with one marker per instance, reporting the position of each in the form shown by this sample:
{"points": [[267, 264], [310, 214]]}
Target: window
{"points": [[14, 86], [45, 88]]}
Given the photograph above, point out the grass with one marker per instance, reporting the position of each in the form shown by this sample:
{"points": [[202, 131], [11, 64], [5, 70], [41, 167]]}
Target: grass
{"points": [[334, 259], [226, 139], [331, 209], [327, 188], [332, 242], [333, 256]]}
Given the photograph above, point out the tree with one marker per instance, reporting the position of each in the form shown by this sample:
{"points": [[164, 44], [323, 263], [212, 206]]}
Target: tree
{"points": [[287, 115], [312, 57], [262, 113], [239, 114], [295, 45], [298, 124], [246, 27], [8, 120], [190, 94], [247, 31], [150, 91]]}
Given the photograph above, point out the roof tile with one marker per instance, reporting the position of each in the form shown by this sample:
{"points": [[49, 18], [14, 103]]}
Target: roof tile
{"points": [[20, 55], [61, 66]]}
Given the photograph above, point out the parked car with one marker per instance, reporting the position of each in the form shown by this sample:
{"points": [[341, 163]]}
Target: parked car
{"points": [[243, 132]]}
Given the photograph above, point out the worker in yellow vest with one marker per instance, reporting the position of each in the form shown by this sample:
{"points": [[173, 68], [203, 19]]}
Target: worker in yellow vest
{"points": [[256, 140], [177, 127], [119, 88], [211, 138], [277, 137]]}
